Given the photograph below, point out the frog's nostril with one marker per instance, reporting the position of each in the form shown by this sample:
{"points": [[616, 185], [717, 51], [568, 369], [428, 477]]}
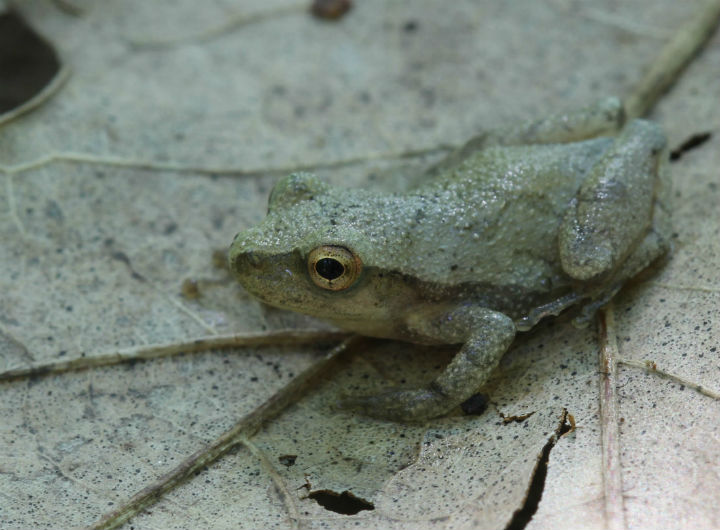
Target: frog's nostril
{"points": [[252, 259]]}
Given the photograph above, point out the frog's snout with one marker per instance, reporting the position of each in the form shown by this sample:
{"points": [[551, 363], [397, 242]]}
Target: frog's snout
{"points": [[243, 255], [251, 259], [245, 260]]}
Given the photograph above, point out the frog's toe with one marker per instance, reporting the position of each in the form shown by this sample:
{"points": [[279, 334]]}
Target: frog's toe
{"points": [[589, 309], [584, 255], [399, 405], [583, 320]]}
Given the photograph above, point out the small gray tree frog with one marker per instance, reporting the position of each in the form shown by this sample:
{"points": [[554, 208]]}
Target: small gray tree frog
{"points": [[518, 224]]}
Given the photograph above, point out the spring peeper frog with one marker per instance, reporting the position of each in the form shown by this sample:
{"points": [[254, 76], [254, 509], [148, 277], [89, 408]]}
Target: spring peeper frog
{"points": [[518, 224]]}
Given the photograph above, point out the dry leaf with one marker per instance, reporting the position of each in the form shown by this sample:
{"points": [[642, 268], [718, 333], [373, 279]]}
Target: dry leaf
{"points": [[165, 142]]}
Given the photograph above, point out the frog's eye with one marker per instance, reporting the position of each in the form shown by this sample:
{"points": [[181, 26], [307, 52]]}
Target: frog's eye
{"points": [[333, 268]]}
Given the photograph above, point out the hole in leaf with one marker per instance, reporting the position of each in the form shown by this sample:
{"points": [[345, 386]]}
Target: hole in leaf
{"points": [[345, 503], [27, 62], [696, 140], [522, 516]]}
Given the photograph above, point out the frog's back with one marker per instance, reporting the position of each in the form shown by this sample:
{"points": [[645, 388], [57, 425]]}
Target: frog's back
{"points": [[492, 220], [532, 169]]}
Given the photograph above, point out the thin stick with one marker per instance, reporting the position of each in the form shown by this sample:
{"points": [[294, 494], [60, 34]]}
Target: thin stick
{"points": [[229, 23], [280, 485], [242, 430], [650, 366], [609, 422], [660, 76], [280, 337], [672, 59], [233, 171]]}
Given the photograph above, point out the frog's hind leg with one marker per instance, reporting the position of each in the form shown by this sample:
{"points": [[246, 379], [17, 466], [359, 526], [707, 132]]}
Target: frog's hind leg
{"points": [[614, 208], [604, 117], [655, 245]]}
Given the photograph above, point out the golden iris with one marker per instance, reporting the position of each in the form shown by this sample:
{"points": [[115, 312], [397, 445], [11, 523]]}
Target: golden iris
{"points": [[333, 267]]}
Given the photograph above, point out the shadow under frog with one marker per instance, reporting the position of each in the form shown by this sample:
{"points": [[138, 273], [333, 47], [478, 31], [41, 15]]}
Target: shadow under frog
{"points": [[518, 224]]}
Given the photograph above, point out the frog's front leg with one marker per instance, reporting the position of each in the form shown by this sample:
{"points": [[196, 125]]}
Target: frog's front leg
{"points": [[485, 335]]}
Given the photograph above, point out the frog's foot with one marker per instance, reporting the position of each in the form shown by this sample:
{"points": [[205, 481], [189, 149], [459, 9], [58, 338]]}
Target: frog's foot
{"points": [[400, 405], [485, 335]]}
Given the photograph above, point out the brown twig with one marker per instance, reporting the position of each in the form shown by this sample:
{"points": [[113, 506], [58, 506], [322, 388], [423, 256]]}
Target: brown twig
{"points": [[650, 366], [609, 421], [665, 70]]}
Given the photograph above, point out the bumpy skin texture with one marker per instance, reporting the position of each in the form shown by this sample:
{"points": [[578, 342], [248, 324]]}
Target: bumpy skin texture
{"points": [[518, 224]]}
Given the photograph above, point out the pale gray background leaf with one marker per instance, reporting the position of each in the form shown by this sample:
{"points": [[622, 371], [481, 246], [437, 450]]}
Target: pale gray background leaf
{"points": [[165, 142]]}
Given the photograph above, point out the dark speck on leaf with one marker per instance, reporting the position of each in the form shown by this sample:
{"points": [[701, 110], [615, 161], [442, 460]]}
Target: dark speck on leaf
{"points": [[287, 460], [53, 211], [121, 256], [410, 26]]}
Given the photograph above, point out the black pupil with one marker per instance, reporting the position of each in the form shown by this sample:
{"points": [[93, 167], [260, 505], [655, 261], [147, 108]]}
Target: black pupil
{"points": [[329, 268]]}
